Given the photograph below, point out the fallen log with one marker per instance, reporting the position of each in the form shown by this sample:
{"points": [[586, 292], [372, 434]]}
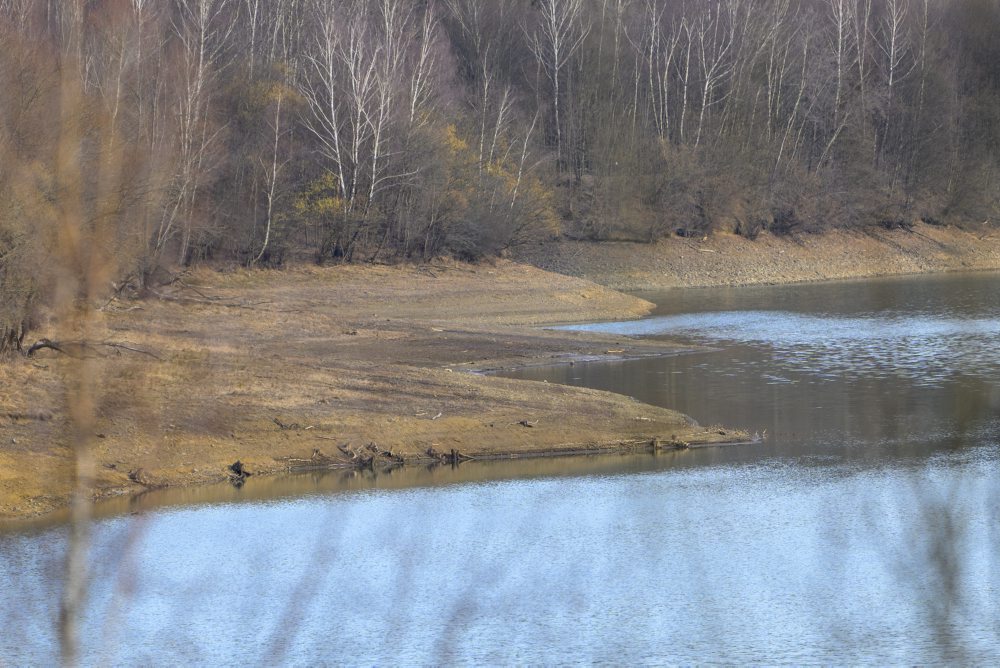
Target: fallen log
{"points": [[37, 416], [42, 344]]}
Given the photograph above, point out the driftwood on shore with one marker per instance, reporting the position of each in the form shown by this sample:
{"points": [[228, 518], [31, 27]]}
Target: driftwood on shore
{"points": [[34, 416], [79, 349], [238, 473], [453, 457], [372, 456]]}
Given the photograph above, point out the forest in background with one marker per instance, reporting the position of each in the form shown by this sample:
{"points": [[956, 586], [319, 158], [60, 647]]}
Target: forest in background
{"points": [[142, 134]]}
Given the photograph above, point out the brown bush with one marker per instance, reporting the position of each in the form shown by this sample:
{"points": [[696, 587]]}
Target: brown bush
{"points": [[67, 194]]}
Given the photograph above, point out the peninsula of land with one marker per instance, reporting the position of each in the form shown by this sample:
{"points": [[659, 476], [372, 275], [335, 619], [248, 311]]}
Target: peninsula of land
{"points": [[323, 367], [378, 365]]}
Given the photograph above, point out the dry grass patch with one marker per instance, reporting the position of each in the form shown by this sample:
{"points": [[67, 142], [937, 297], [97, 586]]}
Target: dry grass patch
{"points": [[269, 367]]}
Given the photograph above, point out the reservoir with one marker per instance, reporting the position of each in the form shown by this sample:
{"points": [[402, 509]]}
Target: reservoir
{"points": [[862, 528]]}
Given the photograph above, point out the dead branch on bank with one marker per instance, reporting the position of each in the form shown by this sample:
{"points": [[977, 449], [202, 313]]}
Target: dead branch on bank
{"points": [[33, 416], [77, 349], [214, 301]]}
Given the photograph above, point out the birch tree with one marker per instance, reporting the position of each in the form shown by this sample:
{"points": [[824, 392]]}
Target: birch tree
{"points": [[202, 30], [715, 38], [272, 164], [482, 29], [843, 47], [19, 13], [862, 38], [657, 46], [559, 34], [893, 41], [922, 64]]}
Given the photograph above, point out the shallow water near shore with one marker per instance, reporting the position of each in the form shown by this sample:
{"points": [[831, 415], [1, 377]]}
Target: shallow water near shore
{"points": [[861, 530]]}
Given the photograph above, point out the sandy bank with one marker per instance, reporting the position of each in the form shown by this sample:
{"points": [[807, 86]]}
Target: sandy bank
{"points": [[281, 369], [727, 259]]}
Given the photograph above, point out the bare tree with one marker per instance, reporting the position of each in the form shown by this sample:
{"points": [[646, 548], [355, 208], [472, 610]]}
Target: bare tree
{"points": [[657, 45], [844, 51], [893, 40], [862, 38], [560, 32], [715, 37], [253, 13], [922, 64], [781, 33], [841, 16], [789, 133], [203, 30], [491, 101], [685, 75], [272, 165], [424, 66], [343, 94], [18, 12], [367, 61]]}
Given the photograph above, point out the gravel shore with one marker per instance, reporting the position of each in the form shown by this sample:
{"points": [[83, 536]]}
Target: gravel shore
{"points": [[728, 259]]}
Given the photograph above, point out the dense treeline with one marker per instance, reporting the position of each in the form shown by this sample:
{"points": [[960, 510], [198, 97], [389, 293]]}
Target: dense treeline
{"points": [[347, 130]]}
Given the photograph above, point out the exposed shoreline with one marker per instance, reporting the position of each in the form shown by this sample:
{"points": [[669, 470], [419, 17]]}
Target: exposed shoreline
{"points": [[363, 366], [730, 260], [336, 367]]}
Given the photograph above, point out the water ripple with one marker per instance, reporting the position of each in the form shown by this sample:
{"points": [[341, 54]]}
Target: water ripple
{"points": [[927, 350]]}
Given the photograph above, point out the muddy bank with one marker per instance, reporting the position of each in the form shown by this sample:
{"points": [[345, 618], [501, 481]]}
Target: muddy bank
{"points": [[341, 366], [728, 259]]}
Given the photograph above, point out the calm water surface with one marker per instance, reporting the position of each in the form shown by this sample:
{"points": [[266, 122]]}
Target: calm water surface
{"points": [[863, 529]]}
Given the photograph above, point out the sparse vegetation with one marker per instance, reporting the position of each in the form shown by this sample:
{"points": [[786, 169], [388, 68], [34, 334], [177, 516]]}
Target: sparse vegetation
{"points": [[230, 380]]}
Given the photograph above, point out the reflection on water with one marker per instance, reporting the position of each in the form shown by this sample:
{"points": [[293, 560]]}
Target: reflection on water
{"points": [[859, 369], [863, 530], [320, 482]]}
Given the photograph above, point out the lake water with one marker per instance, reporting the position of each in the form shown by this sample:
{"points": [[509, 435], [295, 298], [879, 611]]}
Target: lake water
{"points": [[863, 529]]}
